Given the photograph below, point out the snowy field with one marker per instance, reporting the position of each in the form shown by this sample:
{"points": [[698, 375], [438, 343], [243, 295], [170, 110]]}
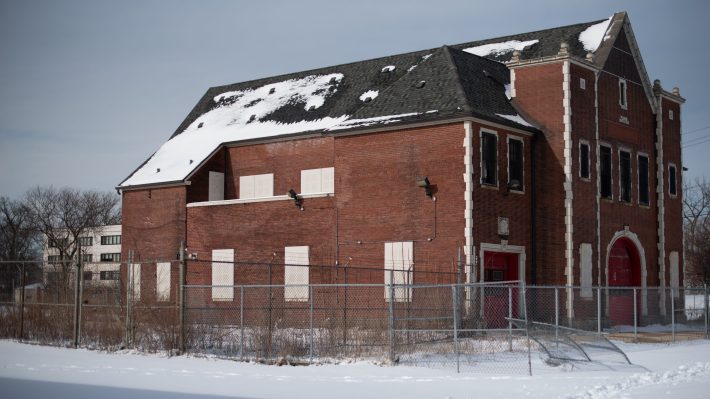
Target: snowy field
{"points": [[27, 371]]}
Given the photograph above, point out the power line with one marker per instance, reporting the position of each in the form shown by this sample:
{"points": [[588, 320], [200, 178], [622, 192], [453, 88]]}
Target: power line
{"points": [[695, 131], [696, 139], [698, 143]]}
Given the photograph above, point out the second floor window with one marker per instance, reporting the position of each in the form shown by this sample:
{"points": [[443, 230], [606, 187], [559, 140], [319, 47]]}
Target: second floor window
{"points": [[672, 189], [625, 176], [112, 257], [643, 180], [489, 159], [110, 275], [111, 240], [584, 160], [515, 164], [86, 241], [87, 258], [605, 158]]}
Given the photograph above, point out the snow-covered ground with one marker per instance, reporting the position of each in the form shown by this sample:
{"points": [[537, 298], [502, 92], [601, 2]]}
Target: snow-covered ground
{"points": [[26, 371]]}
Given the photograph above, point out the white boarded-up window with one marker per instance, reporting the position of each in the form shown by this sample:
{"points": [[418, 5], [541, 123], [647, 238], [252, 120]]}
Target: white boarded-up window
{"points": [[134, 269], [222, 274], [256, 186], [318, 180], [585, 272], [162, 286], [675, 277], [296, 273], [399, 261], [216, 189]]}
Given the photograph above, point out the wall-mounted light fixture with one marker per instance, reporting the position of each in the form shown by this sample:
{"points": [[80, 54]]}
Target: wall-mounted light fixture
{"points": [[423, 182], [297, 199]]}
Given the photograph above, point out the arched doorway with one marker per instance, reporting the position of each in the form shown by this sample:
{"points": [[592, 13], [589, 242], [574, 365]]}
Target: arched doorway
{"points": [[624, 270]]}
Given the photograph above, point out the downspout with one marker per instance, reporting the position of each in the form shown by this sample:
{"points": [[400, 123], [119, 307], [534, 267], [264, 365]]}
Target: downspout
{"points": [[598, 171], [533, 214]]}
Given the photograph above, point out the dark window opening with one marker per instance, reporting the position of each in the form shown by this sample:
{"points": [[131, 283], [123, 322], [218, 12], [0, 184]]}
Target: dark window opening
{"points": [[584, 161], [672, 180], [489, 155], [111, 240], [605, 187], [643, 179], [625, 176], [113, 257], [110, 275], [515, 164]]}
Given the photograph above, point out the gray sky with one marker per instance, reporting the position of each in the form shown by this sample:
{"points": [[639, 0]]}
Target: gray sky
{"points": [[89, 89]]}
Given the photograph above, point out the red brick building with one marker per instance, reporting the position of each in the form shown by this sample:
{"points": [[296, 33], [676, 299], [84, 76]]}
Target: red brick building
{"points": [[546, 156]]}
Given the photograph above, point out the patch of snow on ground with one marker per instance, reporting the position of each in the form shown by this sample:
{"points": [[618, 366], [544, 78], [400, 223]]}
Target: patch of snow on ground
{"points": [[516, 118], [388, 68], [659, 371], [372, 94], [592, 37], [236, 117], [497, 49]]}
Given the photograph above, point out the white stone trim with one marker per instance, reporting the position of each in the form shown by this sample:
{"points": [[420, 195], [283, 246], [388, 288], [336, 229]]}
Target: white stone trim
{"points": [[468, 198], [512, 83], [642, 263], [567, 185], [252, 200], [661, 193]]}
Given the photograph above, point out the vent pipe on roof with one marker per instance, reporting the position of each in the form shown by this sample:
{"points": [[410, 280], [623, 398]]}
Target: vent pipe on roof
{"points": [[420, 84], [516, 56], [564, 49], [590, 56], [676, 91], [272, 91]]}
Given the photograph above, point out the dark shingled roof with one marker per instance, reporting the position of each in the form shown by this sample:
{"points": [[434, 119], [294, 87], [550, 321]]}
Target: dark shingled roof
{"points": [[456, 84]]}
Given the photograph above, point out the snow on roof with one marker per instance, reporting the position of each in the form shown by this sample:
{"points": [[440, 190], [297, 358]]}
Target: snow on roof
{"points": [[237, 116], [517, 119], [496, 49], [593, 36], [388, 68], [508, 91], [349, 124], [372, 94]]}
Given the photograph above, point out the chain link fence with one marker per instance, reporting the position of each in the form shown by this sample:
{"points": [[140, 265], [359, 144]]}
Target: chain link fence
{"points": [[424, 318]]}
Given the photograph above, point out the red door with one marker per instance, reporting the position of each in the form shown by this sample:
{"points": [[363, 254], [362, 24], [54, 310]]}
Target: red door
{"points": [[623, 272], [499, 267]]}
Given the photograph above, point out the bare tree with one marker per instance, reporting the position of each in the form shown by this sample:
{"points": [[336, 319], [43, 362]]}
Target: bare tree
{"points": [[696, 222], [62, 216], [16, 244]]}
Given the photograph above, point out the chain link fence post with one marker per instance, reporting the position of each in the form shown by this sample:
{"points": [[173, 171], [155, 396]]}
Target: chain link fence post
{"points": [[636, 318], [77, 298], [241, 322], [391, 325], [310, 313], [21, 333], [599, 311], [181, 297], [557, 316], [454, 306], [672, 315]]}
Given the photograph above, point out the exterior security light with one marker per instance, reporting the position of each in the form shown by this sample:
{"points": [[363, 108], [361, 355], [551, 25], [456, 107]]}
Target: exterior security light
{"points": [[296, 198], [423, 182], [292, 193]]}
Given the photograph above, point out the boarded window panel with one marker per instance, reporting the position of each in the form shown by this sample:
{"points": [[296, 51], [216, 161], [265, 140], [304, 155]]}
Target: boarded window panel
{"points": [[216, 189], [328, 180], [222, 274], [585, 266], [135, 278], [398, 269], [310, 181], [162, 285], [296, 273], [675, 276], [246, 186], [264, 185]]}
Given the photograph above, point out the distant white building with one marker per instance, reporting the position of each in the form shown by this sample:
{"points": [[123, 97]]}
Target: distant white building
{"points": [[101, 256]]}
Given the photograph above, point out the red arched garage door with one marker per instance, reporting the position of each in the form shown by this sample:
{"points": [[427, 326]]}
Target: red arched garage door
{"points": [[624, 271]]}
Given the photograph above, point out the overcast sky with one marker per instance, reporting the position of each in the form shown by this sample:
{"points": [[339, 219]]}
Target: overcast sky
{"points": [[89, 89]]}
